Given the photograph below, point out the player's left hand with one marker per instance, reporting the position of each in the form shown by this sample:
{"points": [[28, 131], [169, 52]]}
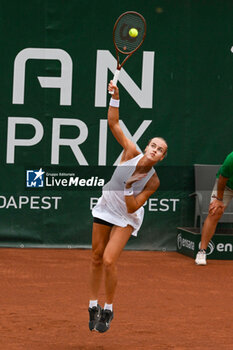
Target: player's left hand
{"points": [[134, 178]]}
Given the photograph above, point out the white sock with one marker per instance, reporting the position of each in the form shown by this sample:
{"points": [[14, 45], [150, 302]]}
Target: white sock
{"points": [[93, 303], [108, 306]]}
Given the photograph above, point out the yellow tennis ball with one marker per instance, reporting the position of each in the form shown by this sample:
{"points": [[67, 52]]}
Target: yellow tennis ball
{"points": [[133, 32]]}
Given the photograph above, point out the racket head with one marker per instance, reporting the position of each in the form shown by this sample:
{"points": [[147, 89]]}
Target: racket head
{"points": [[123, 42]]}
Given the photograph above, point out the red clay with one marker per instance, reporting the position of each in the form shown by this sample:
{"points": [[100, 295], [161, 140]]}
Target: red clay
{"points": [[163, 302]]}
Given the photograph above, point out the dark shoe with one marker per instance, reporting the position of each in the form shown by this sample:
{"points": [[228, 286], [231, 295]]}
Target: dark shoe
{"points": [[104, 322], [94, 313]]}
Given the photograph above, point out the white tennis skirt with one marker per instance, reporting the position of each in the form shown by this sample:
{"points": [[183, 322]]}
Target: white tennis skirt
{"points": [[117, 215]]}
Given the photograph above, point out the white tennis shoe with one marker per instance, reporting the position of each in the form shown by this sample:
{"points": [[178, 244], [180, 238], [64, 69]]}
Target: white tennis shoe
{"points": [[201, 257]]}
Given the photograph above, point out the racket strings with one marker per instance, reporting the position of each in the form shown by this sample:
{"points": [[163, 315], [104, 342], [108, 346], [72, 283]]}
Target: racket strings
{"points": [[123, 41]]}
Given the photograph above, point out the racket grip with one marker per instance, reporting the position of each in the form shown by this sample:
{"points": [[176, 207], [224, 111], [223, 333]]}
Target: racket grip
{"points": [[115, 80]]}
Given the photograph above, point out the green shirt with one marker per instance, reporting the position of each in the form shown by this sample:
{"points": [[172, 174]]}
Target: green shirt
{"points": [[226, 170]]}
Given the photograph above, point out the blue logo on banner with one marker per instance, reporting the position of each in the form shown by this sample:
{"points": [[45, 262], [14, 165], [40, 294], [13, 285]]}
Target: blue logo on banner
{"points": [[35, 178]]}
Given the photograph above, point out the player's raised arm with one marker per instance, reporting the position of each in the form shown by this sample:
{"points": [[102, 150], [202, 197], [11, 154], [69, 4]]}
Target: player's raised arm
{"points": [[113, 122]]}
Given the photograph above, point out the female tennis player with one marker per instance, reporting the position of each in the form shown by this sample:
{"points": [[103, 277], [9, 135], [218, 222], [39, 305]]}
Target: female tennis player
{"points": [[119, 212]]}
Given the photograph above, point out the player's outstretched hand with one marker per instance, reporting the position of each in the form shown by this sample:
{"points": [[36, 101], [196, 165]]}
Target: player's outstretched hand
{"points": [[114, 88]]}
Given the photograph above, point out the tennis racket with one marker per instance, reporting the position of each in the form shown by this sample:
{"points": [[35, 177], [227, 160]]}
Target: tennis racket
{"points": [[128, 35]]}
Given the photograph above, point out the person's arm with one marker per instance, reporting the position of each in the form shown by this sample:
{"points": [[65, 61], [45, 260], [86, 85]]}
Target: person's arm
{"points": [[222, 181], [114, 125], [133, 203], [217, 202]]}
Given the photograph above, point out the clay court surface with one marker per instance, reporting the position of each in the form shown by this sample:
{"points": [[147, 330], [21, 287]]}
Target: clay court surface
{"points": [[163, 302]]}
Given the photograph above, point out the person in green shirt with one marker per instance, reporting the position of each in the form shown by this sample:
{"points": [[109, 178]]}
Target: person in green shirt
{"points": [[220, 198]]}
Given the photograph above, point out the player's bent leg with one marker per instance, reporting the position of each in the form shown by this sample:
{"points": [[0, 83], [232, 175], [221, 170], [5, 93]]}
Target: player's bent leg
{"points": [[100, 237], [119, 238], [208, 231]]}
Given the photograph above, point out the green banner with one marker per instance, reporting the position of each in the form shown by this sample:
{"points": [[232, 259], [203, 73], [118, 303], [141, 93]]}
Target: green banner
{"points": [[56, 60], [219, 247]]}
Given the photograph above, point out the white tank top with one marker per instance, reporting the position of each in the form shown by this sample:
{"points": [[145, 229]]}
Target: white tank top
{"points": [[121, 174], [111, 206]]}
